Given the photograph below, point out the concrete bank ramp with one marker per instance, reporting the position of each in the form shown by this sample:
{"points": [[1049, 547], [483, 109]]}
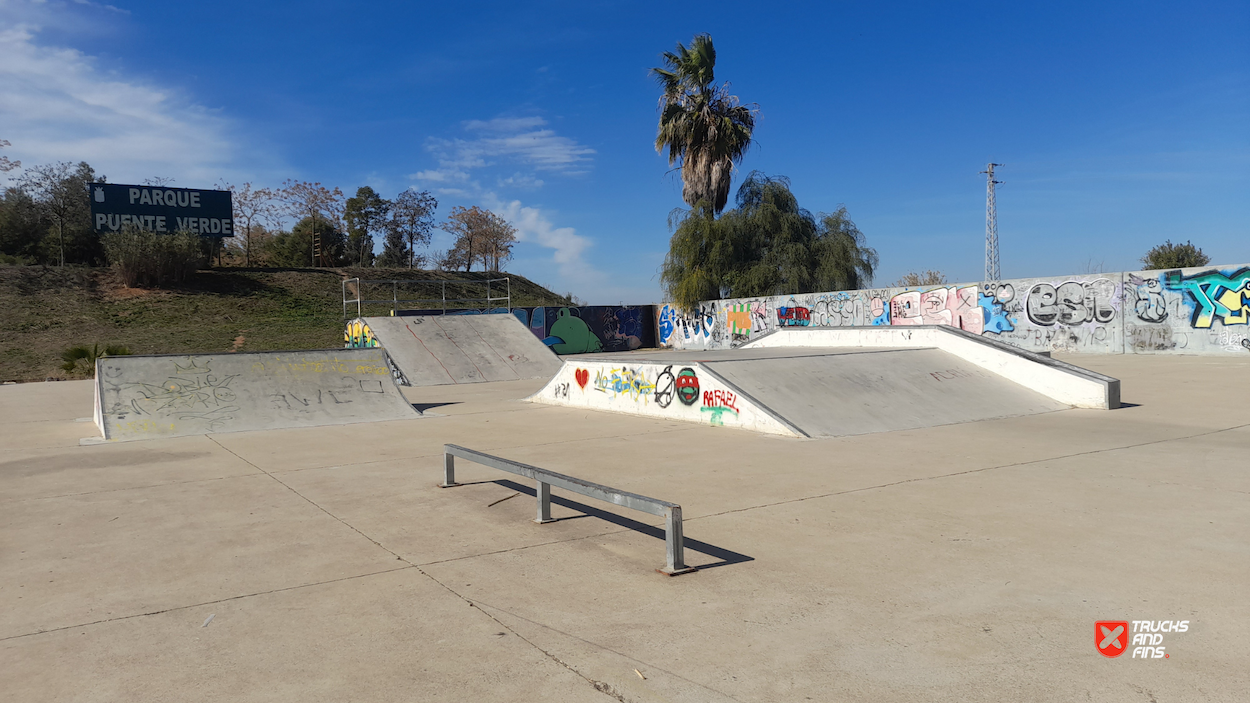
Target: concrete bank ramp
{"points": [[834, 382], [797, 392], [436, 350], [144, 397]]}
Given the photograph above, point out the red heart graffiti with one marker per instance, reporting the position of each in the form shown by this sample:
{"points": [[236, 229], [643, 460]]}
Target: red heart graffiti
{"points": [[583, 377]]}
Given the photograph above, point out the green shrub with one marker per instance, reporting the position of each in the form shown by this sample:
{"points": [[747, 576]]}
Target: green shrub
{"points": [[145, 258], [1174, 256], [81, 358]]}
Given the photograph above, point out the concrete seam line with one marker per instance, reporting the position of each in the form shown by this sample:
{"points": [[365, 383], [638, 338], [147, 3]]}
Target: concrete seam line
{"points": [[647, 664], [210, 602], [594, 684]]}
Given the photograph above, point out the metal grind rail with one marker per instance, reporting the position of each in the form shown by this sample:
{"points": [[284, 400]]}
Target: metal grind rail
{"points": [[674, 542]]}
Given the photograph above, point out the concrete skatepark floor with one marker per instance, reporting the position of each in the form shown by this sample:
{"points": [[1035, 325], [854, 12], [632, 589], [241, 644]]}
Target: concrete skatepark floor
{"points": [[964, 562]]}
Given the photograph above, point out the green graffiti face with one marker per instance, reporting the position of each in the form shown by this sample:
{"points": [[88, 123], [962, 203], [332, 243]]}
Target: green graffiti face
{"points": [[576, 337], [687, 386]]}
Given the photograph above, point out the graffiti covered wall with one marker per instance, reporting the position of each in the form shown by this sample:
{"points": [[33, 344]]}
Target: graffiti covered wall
{"points": [[591, 328], [1187, 311], [570, 330]]}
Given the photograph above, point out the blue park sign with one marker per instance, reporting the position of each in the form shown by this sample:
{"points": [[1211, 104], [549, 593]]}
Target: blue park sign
{"points": [[207, 213]]}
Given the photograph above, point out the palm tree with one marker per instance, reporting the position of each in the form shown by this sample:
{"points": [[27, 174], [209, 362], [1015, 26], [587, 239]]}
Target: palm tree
{"points": [[703, 127]]}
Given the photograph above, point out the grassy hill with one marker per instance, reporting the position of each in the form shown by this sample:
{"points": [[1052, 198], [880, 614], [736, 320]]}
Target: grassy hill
{"points": [[43, 311]]}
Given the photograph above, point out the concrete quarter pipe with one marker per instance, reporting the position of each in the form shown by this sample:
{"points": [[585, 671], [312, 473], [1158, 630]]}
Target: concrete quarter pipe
{"points": [[144, 397], [436, 350]]}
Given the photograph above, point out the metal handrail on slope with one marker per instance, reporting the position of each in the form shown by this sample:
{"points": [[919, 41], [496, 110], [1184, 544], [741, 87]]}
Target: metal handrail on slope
{"points": [[674, 541], [395, 300]]}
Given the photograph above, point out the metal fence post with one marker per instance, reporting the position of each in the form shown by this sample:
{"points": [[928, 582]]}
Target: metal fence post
{"points": [[544, 502], [449, 471]]}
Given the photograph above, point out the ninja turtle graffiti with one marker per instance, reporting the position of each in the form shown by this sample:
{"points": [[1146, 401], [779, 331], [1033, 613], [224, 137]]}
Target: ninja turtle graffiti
{"points": [[687, 386]]}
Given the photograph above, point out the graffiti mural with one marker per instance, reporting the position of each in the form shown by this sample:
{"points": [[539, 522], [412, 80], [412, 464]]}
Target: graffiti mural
{"points": [[591, 328], [998, 303], [793, 315], [623, 381], [688, 331], [1188, 311], [357, 335], [957, 307], [1072, 303], [1215, 295]]}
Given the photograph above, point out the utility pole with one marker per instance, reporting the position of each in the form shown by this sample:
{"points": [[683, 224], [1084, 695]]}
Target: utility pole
{"points": [[992, 272]]}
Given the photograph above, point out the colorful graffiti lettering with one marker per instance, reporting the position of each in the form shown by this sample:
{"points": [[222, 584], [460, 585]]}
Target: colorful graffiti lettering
{"points": [[625, 381], [1215, 295], [794, 316], [957, 307], [357, 335], [686, 384], [677, 327], [997, 301]]}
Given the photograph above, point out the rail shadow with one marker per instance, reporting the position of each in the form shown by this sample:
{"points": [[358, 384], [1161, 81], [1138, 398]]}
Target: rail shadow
{"points": [[726, 556], [422, 407]]}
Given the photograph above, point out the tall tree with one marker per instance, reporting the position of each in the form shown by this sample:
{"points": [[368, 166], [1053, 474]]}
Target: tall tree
{"points": [[767, 245], [364, 214], [497, 242], [253, 208], [472, 228], [60, 190], [412, 217], [314, 201], [704, 129]]}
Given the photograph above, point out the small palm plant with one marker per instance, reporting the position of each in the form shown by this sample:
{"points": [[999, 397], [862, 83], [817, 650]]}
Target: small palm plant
{"points": [[82, 358]]}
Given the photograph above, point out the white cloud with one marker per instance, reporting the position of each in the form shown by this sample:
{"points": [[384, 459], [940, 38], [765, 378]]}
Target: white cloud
{"points": [[59, 104], [515, 140], [110, 8], [520, 181], [533, 226]]}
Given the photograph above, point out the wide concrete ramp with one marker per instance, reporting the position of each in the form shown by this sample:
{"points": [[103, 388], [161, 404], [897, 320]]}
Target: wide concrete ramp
{"points": [[797, 392], [435, 350], [143, 397], [834, 395]]}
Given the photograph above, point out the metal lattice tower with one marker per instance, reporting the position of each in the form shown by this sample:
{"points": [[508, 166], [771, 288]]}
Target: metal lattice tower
{"points": [[992, 272]]}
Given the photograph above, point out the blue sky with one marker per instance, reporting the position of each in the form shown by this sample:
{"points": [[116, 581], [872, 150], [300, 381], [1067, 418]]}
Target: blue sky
{"points": [[1120, 125]]}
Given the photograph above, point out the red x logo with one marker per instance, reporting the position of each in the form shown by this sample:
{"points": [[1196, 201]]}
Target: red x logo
{"points": [[1111, 637]]}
